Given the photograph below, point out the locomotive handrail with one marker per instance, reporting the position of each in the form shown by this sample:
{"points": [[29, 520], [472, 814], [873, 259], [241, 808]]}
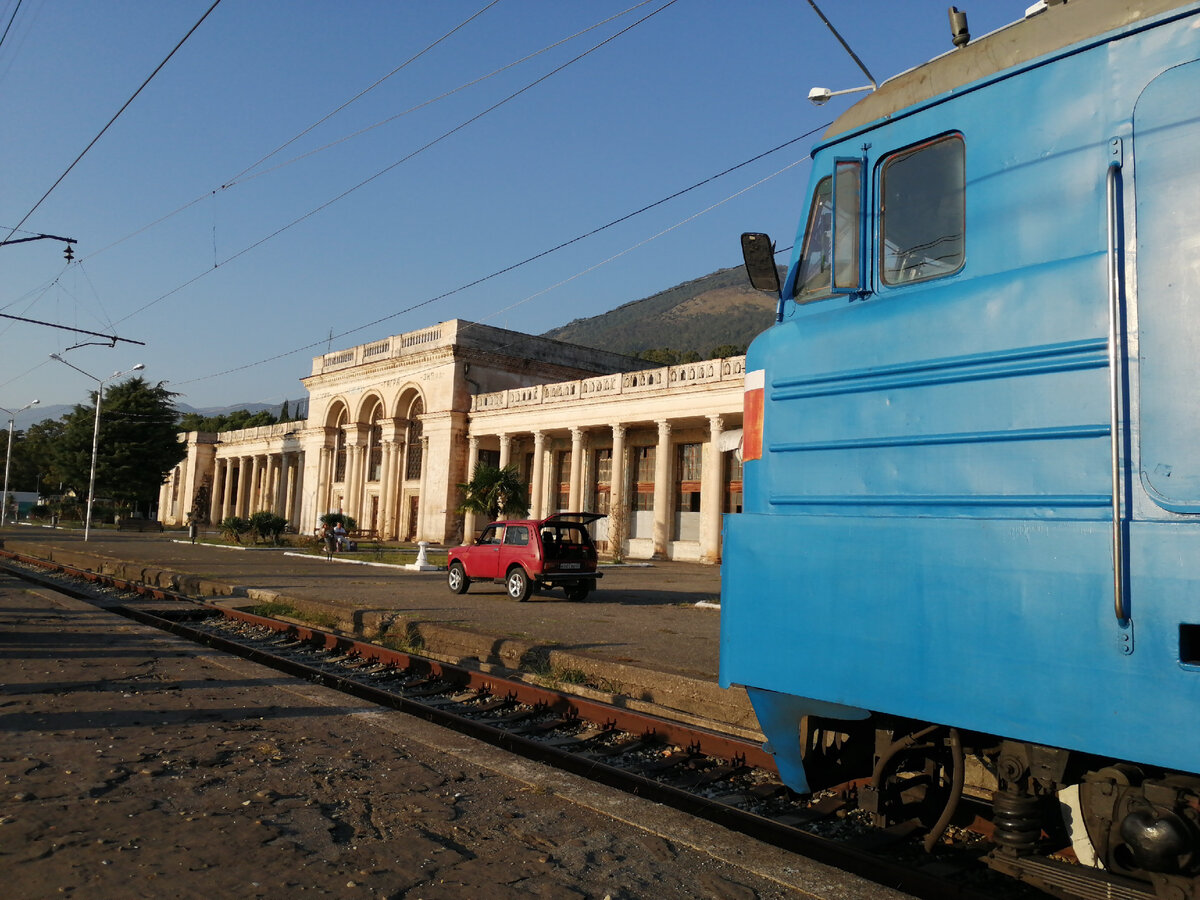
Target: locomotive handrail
{"points": [[1120, 606]]}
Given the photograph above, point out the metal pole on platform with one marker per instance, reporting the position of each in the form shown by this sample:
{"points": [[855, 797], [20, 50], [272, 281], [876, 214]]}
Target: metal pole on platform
{"points": [[12, 418], [87, 524]]}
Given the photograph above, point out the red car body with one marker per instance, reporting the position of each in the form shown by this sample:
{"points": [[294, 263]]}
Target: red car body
{"points": [[526, 555]]}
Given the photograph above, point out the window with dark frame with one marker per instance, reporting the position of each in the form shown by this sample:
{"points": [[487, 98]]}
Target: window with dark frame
{"points": [[643, 494], [922, 211], [689, 466]]}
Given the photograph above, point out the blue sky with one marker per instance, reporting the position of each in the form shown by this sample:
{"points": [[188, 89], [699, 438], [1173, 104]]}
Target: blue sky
{"points": [[174, 220]]}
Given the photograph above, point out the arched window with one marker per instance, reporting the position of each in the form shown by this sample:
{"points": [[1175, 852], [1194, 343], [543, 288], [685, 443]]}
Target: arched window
{"points": [[413, 469], [375, 444], [339, 448]]}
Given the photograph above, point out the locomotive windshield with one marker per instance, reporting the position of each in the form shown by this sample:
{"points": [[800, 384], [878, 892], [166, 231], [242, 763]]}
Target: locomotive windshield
{"points": [[921, 215], [922, 219]]}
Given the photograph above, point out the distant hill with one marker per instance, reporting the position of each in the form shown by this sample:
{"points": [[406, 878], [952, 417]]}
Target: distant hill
{"points": [[716, 310]]}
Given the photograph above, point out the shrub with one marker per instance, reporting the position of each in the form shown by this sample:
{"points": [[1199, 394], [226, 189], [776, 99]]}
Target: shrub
{"points": [[266, 526], [233, 528]]}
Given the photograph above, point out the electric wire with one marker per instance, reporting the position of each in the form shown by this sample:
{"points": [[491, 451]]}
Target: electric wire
{"points": [[366, 90], [11, 18], [402, 160], [511, 306], [93, 141], [239, 179], [242, 178]]}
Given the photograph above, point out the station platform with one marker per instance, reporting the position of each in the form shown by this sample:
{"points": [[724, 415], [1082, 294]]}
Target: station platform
{"points": [[647, 638]]}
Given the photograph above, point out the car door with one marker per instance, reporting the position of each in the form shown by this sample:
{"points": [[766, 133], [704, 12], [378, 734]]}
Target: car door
{"points": [[484, 556]]}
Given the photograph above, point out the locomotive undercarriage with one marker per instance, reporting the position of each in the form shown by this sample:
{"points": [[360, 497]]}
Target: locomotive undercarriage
{"points": [[1067, 823]]}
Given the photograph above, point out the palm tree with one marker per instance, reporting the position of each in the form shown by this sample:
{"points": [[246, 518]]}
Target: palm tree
{"points": [[493, 491]]}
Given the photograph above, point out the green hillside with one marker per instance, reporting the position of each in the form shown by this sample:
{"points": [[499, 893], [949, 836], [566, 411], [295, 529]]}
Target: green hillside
{"points": [[692, 319]]}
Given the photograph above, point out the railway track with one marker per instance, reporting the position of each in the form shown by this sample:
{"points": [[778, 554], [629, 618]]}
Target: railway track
{"points": [[717, 777]]}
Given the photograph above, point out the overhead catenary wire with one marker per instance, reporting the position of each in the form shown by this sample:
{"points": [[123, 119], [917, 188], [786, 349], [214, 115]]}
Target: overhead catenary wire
{"points": [[117, 115], [243, 177], [379, 174], [11, 18], [527, 299], [427, 48]]}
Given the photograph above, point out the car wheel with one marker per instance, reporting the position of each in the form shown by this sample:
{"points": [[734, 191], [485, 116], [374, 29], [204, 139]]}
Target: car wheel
{"points": [[517, 584], [576, 591], [456, 579]]}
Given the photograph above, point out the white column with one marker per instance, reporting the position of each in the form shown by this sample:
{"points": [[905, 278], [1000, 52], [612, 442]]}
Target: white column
{"points": [[618, 504], [220, 478], [385, 488], [294, 474], [394, 513], [505, 449], [245, 476], [662, 490], [711, 493], [537, 477], [422, 497], [324, 483], [576, 489], [469, 524], [353, 474]]}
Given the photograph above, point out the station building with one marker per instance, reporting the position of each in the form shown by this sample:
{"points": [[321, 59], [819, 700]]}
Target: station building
{"points": [[394, 427]]}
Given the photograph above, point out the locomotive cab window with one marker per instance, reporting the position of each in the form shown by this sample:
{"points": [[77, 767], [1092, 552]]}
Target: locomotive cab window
{"points": [[922, 217], [831, 261], [816, 259]]}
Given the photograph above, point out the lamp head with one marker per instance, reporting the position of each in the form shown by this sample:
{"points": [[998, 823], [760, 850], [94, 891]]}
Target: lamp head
{"points": [[819, 96]]}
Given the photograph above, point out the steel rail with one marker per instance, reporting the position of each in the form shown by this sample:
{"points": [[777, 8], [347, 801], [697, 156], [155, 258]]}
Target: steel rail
{"points": [[839, 855]]}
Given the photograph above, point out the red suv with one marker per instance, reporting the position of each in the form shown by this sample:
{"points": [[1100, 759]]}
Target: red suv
{"points": [[526, 555]]}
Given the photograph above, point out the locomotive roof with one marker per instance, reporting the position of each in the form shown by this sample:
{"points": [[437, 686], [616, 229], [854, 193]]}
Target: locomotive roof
{"points": [[1057, 27]]}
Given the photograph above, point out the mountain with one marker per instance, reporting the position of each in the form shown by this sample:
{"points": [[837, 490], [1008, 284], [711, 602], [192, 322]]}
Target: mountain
{"points": [[717, 310]]}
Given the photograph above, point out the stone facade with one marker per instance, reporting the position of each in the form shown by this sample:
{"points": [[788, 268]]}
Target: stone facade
{"points": [[395, 425]]}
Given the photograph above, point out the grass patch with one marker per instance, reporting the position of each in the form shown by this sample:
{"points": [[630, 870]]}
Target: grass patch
{"points": [[410, 640], [555, 677], [276, 610], [387, 556]]}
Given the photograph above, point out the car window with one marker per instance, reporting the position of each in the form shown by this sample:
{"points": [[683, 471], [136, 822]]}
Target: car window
{"points": [[491, 535], [517, 536]]}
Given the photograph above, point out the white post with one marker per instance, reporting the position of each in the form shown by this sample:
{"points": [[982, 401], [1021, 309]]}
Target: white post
{"points": [[12, 418]]}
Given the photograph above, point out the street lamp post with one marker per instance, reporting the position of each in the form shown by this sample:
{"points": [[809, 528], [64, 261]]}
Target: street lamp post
{"points": [[87, 524], [12, 417]]}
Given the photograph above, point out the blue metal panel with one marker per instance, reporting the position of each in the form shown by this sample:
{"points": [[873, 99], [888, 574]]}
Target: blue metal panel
{"points": [[1167, 143], [931, 618], [927, 533]]}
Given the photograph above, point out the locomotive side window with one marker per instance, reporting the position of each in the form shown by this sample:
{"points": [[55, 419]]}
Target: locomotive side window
{"points": [[847, 234], [922, 220], [816, 259]]}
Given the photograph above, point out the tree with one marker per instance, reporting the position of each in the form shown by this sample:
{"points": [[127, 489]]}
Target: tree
{"points": [[493, 491], [33, 456], [137, 445], [233, 421], [724, 350]]}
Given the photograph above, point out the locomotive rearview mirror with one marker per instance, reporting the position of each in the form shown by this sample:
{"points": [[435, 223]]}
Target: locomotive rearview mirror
{"points": [[759, 254]]}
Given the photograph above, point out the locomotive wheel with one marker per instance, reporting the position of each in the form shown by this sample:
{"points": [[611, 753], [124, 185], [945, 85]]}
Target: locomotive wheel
{"points": [[517, 584], [918, 777]]}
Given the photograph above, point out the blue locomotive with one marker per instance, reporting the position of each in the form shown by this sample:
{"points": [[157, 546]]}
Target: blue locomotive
{"points": [[968, 566]]}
